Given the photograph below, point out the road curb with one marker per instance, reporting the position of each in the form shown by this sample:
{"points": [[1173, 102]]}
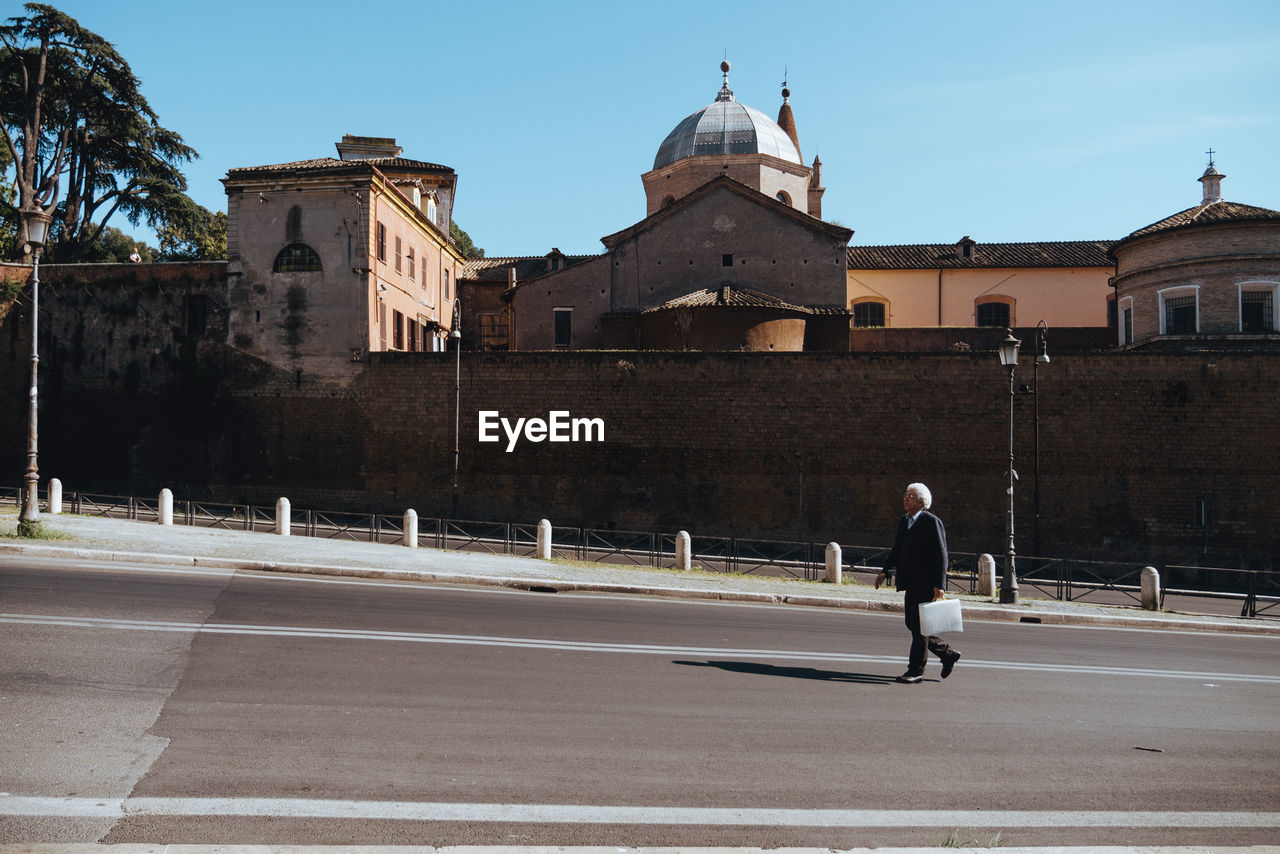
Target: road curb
{"points": [[974, 610]]}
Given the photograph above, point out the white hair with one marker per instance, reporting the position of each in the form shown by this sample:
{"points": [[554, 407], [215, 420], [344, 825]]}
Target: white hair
{"points": [[923, 492]]}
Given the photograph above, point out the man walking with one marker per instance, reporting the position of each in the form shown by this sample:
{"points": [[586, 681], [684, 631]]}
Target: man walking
{"points": [[919, 561]]}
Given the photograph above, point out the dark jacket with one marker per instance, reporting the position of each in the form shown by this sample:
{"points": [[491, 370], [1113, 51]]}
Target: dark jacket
{"points": [[918, 561]]}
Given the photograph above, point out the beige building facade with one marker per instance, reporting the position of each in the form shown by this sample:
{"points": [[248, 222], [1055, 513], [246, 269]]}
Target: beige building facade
{"points": [[332, 258], [970, 284]]}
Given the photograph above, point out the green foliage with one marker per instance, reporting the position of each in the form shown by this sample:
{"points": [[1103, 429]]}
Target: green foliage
{"points": [[463, 240], [34, 531], [85, 143], [113, 246], [198, 234]]}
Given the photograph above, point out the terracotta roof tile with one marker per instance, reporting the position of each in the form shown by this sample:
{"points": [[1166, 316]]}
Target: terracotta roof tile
{"points": [[729, 296], [332, 164], [1074, 253], [1212, 212], [495, 269]]}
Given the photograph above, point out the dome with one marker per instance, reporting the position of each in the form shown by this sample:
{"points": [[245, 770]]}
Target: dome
{"points": [[726, 127]]}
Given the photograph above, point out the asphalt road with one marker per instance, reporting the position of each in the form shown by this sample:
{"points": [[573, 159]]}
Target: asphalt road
{"points": [[202, 705]]}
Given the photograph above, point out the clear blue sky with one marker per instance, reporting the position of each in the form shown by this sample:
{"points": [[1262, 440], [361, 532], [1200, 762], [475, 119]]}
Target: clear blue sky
{"points": [[1006, 121]]}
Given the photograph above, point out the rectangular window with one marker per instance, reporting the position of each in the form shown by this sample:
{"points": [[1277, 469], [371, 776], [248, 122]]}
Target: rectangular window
{"points": [[1127, 337], [726, 260], [397, 254], [198, 314], [412, 265], [868, 314], [564, 327], [413, 336], [493, 332], [993, 314], [1180, 316], [1257, 313], [397, 330], [382, 325], [380, 240], [446, 284]]}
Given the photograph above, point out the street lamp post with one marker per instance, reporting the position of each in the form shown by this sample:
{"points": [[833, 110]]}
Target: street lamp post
{"points": [[1009, 580], [1042, 357], [35, 228]]}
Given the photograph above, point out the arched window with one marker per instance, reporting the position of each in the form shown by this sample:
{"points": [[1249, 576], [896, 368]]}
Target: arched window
{"points": [[668, 201], [869, 313], [995, 311], [297, 258], [784, 198]]}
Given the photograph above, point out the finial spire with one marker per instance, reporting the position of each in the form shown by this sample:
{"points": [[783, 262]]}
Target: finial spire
{"points": [[726, 94], [1212, 181], [786, 119]]}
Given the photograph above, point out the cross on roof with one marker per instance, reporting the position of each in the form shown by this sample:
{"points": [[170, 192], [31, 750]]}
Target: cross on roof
{"points": [[1210, 153]]}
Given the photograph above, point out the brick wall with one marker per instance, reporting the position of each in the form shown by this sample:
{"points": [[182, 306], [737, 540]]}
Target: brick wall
{"points": [[820, 446], [800, 445]]}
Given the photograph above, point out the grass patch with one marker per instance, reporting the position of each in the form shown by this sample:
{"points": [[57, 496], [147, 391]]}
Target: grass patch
{"points": [[972, 839], [32, 531]]}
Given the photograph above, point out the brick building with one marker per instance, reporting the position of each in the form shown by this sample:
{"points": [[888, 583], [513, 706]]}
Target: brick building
{"points": [[1208, 275]]}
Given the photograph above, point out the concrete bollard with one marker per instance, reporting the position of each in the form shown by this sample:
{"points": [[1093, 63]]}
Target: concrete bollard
{"points": [[834, 559], [684, 551], [166, 506], [544, 540], [411, 528], [1150, 589], [284, 520], [55, 496], [986, 575]]}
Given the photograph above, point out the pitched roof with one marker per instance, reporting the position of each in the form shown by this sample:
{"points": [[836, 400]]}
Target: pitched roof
{"points": [[1210, 212], [741, 189], [731, 296], [495, 269], [332, 165], [1070, 253]]}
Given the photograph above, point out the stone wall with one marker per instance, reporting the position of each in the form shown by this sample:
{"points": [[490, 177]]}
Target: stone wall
{"points": [[789, 446]]}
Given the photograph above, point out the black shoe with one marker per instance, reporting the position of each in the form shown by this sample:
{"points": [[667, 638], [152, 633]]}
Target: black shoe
{"points": [[910, 677], [949, 663]]}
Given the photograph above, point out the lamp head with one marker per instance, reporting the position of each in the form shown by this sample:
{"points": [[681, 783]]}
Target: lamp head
{"points": [[1009, 350], [35, 227]]}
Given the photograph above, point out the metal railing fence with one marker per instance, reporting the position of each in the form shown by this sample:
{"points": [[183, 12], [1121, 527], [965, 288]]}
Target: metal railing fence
{"points": [[1258, 591]]}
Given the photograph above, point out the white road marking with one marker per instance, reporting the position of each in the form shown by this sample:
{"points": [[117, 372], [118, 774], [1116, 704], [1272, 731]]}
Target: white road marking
{"points": [[456, 583], [593, 647], [138, 807]]}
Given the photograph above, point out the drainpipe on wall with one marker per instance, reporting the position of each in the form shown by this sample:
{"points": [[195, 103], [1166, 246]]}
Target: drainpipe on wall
{"points": [[939, 296]]}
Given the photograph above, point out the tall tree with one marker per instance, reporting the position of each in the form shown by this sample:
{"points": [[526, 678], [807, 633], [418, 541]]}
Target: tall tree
{"points": [[463, 241], [85, 143], [198, 235]]}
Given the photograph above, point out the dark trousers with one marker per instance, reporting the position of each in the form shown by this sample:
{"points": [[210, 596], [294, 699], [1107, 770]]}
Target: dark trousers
{"points": [[920, 643]]}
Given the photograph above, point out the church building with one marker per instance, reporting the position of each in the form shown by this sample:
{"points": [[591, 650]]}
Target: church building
{"points": [[733, 254]]}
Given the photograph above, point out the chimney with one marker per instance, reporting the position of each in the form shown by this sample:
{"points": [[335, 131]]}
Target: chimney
{"points": [[511, 276], [367, 147]]}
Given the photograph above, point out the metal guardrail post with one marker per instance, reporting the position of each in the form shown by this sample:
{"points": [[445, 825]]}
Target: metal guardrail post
{"points": [[1250, 608]]}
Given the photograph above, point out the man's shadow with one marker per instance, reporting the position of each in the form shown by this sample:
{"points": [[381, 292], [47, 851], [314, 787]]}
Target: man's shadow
{"points": [[757, 669]]}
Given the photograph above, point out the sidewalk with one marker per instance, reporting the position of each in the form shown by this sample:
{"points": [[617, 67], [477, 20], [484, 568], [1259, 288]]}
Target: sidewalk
{"points": [[105, 539]]}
